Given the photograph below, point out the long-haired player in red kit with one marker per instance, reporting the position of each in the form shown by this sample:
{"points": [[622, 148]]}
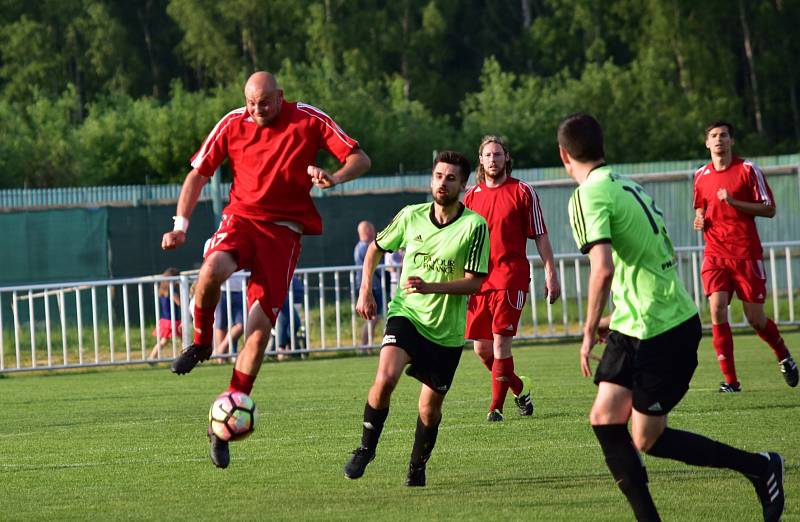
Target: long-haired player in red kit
{"points": [[271, 146], [511, 208], [729, 193]]}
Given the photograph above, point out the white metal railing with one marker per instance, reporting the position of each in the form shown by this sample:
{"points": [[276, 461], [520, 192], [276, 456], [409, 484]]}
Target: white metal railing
{"points": [[99, 323]]}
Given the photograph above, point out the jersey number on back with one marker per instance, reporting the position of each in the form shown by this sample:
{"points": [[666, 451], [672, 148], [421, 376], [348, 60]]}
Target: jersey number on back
{"points": [[637, 192]]}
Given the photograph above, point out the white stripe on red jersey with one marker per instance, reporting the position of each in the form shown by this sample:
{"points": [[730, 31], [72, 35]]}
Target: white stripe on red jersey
{"points": [[537, 218], [214, 134], [763, 194], [325, 119]]}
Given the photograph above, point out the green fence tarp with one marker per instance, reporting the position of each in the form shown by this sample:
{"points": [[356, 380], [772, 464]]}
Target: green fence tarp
{"points": [[49, 246]]}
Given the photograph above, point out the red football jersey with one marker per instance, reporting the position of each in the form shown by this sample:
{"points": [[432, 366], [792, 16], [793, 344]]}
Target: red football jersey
{"points": [[270, 164], [730, 233], [513, 214]]}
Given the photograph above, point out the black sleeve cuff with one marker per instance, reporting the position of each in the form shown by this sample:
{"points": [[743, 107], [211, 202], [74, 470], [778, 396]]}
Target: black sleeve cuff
{"points": [[588, 246], [380, 247]]}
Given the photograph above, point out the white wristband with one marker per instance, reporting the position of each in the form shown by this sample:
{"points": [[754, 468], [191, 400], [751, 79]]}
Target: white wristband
{"points": [[181, 223]]}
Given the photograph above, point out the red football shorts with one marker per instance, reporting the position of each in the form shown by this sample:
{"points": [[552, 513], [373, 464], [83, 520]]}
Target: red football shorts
{"points": [[268, 250], [494, 311], [746, 277]]}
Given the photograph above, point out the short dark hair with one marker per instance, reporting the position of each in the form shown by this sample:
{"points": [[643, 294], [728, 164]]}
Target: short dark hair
{"points": [[720, 123], [582, 137], [452, 157]]}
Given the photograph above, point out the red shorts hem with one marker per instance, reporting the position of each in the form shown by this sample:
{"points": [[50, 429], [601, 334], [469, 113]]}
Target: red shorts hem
{"points": [[494, 312], [268, 250], [744, 277]]}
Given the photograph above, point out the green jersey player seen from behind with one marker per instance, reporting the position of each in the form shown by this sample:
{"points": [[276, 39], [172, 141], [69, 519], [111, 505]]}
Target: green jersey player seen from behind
{"points": [[651, 338], [436, 253], [648, 296]]}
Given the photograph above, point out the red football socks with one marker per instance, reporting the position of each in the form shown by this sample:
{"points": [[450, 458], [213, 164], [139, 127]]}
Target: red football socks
{"points": [[503, 377], [514, 383], [772, 337], [203, 325], [723, 345], [241, 382]]}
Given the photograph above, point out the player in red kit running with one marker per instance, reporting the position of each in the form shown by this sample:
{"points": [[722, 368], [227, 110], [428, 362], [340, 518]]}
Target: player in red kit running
{"points": [[729, 193], [511, 208], [271, 146]]}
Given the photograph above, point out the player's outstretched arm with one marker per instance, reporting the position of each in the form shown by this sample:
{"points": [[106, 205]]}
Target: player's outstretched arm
{"points": [[602, 272], [190, 193], [356, 164], [366, 306], [468, 285], [552, 287]]}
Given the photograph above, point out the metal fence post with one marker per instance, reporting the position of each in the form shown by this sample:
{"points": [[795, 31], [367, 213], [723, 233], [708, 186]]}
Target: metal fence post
{"points": [[186, 323]]}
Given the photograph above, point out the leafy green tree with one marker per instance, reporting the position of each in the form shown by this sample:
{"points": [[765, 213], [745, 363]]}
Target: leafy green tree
{"points": [[38, 149], [177, 129], [29, 61]]}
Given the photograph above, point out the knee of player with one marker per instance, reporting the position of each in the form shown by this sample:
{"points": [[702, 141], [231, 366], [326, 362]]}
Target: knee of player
{"points": [[757, 321], [385, 382], [259, 337], [484, 351], [600, 416], [429, 414], [719, 310], [211, 275], [644, 442]]}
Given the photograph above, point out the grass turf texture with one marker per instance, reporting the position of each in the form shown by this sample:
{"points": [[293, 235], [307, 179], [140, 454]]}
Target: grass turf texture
{"points": [[129, 444]]}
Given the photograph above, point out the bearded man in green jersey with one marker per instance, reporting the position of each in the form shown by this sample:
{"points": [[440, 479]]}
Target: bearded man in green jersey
{"points": [[652, 335], [446, 259]]}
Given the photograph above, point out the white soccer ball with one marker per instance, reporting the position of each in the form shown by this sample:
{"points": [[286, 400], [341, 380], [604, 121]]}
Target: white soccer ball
{"points": [[232, 416]]}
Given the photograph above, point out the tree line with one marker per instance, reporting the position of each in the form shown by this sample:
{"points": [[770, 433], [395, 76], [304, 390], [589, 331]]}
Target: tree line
{"points": [[105, 92]]}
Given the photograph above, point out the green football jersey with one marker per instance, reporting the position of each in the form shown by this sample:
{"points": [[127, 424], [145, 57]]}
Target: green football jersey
{"points": [[648, 296], [436, 254]]}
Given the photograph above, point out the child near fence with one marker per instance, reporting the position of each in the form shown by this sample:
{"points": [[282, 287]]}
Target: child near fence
{"points": [[164, 329]]}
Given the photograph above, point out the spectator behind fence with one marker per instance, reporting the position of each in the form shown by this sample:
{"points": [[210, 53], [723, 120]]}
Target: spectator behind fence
{"points": [[366, 235], [227, 337], [166, 322], [394, 265], [284, 321]]}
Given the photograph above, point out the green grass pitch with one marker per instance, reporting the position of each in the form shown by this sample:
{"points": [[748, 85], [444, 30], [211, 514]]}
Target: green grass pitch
{"points": [[129, 444]]}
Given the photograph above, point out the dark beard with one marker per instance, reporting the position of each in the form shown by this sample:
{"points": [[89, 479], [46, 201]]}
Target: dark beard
{"points": [[445, 201]]}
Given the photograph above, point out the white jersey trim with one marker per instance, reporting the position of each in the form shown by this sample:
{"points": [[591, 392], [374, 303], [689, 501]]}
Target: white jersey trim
{"points": [[326, 120], [215, 133], [761, 184], [537, 218]]}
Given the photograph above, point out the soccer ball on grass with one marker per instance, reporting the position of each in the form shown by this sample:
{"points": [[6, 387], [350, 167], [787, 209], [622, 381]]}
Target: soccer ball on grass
{"points": [[232, 416]]}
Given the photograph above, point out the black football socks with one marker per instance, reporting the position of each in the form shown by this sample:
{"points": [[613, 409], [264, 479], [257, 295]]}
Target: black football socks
{"points": [[424, 441], [698, 450], [373, 426], [627, 469]]}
